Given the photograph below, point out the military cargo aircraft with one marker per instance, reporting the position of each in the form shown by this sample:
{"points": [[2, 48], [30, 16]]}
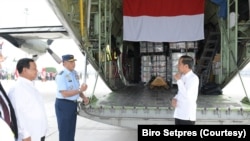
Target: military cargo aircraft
{"points": [[134, 46]]}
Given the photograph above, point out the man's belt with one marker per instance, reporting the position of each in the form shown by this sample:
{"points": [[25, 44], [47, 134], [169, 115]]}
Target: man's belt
{"points": [[67, 100]]}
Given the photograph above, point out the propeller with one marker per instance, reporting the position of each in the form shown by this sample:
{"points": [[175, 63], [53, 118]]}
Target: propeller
{"points": [[54, 56]]}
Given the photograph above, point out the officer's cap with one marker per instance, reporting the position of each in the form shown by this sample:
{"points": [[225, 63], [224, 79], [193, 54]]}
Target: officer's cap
{"points": [[68, 57]]}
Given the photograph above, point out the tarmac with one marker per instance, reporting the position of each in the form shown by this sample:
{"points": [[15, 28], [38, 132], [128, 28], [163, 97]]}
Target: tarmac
{"points": [[89, 130], [86, 129]]}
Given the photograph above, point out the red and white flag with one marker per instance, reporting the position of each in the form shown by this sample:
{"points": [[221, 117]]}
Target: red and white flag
{"points": [[163, 20]]}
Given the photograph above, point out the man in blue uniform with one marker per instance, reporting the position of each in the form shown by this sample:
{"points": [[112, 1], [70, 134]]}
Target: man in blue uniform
{"points": [[68, 91]]}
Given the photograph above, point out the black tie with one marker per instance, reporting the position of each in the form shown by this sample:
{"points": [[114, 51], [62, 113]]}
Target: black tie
{"points": [[5, 110]]}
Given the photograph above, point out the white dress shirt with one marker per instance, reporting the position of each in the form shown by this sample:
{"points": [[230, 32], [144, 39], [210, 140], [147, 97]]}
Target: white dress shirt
{"points": [[188, 88], [29, 107], [5, 132]]}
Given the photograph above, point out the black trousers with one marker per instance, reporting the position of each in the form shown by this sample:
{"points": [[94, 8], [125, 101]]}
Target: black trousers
{"points": [[43, 138], [183, 122]]}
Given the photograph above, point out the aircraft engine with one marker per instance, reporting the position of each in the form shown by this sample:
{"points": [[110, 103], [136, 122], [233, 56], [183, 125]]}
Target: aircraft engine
{"points": [[35, 47], [38, 47]]}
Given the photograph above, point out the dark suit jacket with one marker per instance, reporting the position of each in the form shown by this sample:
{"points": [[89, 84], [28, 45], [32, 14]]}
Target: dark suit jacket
{"points": [[13, 116]]}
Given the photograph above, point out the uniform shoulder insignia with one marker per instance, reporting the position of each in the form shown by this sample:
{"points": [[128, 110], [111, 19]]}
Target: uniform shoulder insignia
{"points": [[61, 73]]}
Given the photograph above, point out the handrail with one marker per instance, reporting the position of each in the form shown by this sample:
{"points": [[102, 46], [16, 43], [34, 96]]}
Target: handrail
{"points": [[225, 31]]}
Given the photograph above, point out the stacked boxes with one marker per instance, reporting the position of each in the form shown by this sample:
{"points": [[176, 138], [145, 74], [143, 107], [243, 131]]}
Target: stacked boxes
{"points": [[158, 47], [151, 47], [178, 49], [159, 66], [153, 60], [143, 47], [183, 45], [146, 68], [169, 67]]}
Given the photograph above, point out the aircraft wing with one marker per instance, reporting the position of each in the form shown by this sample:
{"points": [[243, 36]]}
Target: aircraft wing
{"points": [[40, 32], [30, 39]]}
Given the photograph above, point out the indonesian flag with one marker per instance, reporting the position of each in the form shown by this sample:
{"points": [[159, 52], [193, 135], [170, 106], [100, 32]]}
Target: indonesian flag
{"points": [[163, 20]]}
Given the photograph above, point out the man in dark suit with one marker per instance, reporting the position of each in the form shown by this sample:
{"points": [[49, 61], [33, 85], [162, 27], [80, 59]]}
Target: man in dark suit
{"points": [[4, 100]]}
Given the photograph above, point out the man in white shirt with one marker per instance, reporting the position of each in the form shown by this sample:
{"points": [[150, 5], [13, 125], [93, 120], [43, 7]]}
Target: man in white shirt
{"points": [[5, 132], [28, 103], [188, 88]]}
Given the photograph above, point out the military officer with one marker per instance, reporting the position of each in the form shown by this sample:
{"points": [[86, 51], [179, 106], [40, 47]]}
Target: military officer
{"points": [[68, 92]]}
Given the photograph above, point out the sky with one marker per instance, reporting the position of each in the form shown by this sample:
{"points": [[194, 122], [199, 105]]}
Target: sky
{"points": [[21, 13]]}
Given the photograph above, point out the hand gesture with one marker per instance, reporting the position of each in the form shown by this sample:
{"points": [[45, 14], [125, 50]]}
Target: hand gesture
{"points": [[83, 87], [174, 102], [85, 99], [177, 76]]}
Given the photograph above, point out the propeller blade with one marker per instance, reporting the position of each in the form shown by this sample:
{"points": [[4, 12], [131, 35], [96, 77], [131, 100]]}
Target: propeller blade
{"points": [[49, 42], [55, 57]]}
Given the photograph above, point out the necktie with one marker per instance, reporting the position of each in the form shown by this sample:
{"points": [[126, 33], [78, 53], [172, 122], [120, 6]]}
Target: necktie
{"points": [[5, 110]]}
